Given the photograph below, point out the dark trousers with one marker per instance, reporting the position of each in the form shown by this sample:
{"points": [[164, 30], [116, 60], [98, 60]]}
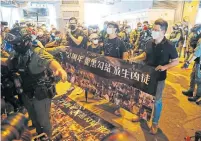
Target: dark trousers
{"points": [[39, 112]]}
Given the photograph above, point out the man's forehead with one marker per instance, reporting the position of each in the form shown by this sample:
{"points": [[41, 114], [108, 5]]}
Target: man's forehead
{"points": [[158, 27]]}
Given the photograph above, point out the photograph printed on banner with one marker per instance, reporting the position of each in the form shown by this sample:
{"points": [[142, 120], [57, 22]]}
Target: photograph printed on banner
{"points": [[122, 95], [74, 122]]}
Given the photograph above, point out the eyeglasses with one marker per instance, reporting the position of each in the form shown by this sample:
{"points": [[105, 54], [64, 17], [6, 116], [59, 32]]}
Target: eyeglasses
{"points": [[95, 39]]}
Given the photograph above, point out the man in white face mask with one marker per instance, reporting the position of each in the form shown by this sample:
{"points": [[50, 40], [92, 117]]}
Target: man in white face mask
{"points": [[162, 55], [113, 46], [95, 47]]}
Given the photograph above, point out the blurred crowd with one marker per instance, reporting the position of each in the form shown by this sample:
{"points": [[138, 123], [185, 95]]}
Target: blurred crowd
{"points": [[129, 42]]}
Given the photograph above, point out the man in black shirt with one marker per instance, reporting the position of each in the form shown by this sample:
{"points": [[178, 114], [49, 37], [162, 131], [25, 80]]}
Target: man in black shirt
{"points": [[75, 37], [113, 46], [162, 55]]}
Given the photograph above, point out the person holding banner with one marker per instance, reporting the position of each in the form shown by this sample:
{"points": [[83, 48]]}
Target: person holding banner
{"points": [[162, 55], [113, 46], [75, 37]]}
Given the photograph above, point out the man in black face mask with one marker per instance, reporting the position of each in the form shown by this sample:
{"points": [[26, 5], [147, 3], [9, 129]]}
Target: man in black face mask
{"points": [[75, 37], [34, 66]]}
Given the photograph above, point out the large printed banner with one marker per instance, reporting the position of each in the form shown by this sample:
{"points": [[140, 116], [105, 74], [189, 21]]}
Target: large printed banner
{"points": [[137, 75], [130, 86], [76, 123]]}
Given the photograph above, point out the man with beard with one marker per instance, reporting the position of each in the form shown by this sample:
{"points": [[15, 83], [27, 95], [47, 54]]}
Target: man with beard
{"points": [[75, 37]]}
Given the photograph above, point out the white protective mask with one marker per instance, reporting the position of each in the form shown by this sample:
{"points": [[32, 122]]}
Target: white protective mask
{"points": [[33, 37], [155, 34], [95, 42], [128, 30], [109, 31]]}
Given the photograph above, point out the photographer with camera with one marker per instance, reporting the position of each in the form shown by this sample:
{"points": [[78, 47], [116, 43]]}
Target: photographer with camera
{"points": [[195, 42], [75, 37], [35, 79]]}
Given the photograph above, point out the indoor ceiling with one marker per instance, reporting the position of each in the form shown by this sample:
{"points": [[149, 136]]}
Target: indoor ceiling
{"points": [[21, 3]]}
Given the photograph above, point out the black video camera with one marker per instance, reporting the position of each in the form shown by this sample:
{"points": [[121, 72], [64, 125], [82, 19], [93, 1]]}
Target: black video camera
{"points": [[14, 127], [4, 23]]}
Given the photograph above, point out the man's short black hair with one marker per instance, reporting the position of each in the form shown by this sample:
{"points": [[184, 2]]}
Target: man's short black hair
{"points": [[73, 18], [145, 22], [115, 25], [163, 24]]}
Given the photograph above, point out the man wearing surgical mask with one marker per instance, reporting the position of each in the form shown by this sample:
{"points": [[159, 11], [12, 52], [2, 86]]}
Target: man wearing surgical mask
{"points": [[95, 47], [57, 40], [113, 46], [162, 55], [75, 37], [42, 37]]}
